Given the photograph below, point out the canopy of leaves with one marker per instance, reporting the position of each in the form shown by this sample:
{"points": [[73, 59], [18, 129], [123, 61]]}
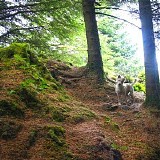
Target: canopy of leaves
{"points": [[133, 9], [119, 57], [38, 22]]}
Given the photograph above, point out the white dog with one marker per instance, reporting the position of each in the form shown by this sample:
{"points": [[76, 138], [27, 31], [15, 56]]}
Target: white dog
{"points": [[123, 89]]}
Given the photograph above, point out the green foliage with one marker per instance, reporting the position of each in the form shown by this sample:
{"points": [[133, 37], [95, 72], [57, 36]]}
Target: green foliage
{"points": [[38, 83], [20, 49], [107, 119], [140, 85], [117, 52], [44, 23], [117, 147], [73, 52], [113, 125], [19, 55], [11, 109]]}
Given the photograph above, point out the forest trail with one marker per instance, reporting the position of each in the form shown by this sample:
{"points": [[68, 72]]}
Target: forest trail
{"points": [[96, 128], [123, 127]]}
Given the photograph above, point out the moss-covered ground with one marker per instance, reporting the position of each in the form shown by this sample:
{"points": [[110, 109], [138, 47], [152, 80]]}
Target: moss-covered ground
{"points": [[62, 117]]}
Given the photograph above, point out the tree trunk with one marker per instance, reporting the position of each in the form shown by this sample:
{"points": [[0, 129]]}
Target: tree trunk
{"points": [[150, 62], [95, 64]]}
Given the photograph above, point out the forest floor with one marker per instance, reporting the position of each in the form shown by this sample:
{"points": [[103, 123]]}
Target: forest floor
{"points": [[96, 128]]}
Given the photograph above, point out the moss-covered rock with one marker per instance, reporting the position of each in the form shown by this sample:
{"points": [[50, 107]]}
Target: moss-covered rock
{"points": [[10, 109]]}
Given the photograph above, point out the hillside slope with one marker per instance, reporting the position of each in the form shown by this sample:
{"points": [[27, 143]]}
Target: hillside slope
{"points": [[68, 117]]}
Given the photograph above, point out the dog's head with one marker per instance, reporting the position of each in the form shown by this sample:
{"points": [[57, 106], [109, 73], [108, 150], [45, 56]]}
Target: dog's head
{"points": [[120, 80]]}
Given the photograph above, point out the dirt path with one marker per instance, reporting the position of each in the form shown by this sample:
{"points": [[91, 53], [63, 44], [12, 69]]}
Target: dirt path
{"points": [[112, 132]]}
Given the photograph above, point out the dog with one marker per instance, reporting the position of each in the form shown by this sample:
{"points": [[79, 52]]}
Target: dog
{"points": [[124, 89]]}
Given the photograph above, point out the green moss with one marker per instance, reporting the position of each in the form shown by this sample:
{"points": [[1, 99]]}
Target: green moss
{"points": [[20, 56], [59, 130], [81, 114], [57, 134], [15, 48], [10, 109], [78, 119], [9, 130], [56, 146], [28, 96], [32, 138], [59, 114], [107, 119], [63, 97], [19, 51], [115, 126]]}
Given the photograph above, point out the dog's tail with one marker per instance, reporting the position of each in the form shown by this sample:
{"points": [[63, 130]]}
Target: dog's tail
{"points": [[134, 82]]}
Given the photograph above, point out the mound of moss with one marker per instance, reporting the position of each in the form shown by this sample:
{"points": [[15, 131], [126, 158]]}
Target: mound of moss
{"points": [[57, 134], [32, 138], [15, 49], [9, 129], [56, 145], [60, 114], [29, 97], [81, 114], [8, 108]]}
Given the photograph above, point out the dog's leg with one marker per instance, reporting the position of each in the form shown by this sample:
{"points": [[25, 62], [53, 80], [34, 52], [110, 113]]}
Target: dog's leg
{"points": [[118, 96], [132, 96]]}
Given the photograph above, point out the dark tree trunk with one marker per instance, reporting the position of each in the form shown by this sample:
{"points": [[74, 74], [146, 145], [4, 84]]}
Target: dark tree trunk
{"points": [[150, 62], [95, 64]]}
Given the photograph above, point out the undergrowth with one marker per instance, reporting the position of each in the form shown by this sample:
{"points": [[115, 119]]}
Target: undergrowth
{"points": [[37, 94]]}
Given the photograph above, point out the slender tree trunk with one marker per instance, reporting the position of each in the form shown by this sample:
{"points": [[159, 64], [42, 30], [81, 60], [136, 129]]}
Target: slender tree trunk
{"points": [[95, 64], [150, 62]]}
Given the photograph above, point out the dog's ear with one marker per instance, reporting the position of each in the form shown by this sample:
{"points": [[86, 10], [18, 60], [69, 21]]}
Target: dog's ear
{"points": [[119, 76], [123, 79]]}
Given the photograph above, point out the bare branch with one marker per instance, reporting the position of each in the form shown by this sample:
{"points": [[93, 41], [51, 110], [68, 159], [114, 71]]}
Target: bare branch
{"points": [[117, 8], [11, 31], [118, 19]]}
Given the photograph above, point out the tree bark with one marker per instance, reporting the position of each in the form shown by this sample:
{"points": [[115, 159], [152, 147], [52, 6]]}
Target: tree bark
{"points": [[95, 64], [150, 62]]}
